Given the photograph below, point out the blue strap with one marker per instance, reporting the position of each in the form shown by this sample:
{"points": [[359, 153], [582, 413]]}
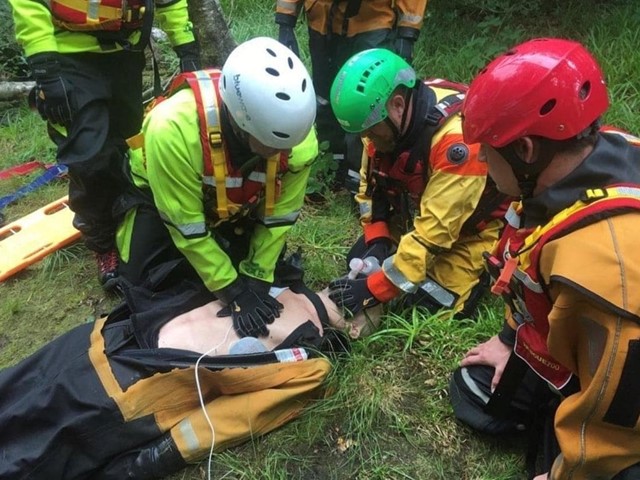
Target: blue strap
{"points": [[51, 173]]}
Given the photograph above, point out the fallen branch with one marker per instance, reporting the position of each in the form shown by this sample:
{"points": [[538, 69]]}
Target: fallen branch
{"points": [[14, 90]]}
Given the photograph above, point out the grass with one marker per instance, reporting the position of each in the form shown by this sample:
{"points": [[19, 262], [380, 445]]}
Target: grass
{"points": [[388, 416]]}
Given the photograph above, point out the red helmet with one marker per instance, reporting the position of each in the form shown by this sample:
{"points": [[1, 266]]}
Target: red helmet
{"points": [[548, 87]]}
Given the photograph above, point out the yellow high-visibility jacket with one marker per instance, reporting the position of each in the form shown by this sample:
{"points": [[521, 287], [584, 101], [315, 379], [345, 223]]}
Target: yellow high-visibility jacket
{"points": [[445, 197], [36, 31], [171, 164]]}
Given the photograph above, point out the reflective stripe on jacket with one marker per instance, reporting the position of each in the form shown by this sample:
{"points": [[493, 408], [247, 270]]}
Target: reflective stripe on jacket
{"points": [[36, 31], [442, 195], [110, 15], [171, 165], [516, 272]]}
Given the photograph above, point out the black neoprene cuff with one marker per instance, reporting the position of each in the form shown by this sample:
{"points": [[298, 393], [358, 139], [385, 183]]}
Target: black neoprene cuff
{"points": [[286, 20], [255, 284], [409, 33], [188, 50], [231, 291], [507, 335], [45, 64]]}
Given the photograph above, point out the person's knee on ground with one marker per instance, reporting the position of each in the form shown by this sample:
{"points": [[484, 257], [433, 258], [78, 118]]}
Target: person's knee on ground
{"points": [[469, 394]]}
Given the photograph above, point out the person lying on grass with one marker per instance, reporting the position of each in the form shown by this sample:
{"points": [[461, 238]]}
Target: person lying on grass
{"points": [[162, 381]]}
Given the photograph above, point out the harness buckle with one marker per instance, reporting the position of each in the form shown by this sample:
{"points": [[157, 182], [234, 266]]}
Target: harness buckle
{"points": [[506, 272], [133, 14], [215, 139]]}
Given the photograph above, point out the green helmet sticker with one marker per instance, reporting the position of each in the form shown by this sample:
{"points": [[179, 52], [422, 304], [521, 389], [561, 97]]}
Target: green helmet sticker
{"points": [[364, 84]]}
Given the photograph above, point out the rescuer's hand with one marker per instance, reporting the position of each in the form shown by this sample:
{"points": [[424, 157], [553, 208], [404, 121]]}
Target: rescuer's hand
{"points": [[286, 34], [53, 94]]}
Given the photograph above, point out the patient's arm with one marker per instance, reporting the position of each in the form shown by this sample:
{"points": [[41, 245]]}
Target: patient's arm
{"points": [[362, 324]]}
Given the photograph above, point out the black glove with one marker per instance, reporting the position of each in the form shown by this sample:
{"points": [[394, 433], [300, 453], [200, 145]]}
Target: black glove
{"points": [[286, 35], [405, 39], [259, 286], [189, 55], [251, 311], [53, 93], [380, 248], [351, 295]]}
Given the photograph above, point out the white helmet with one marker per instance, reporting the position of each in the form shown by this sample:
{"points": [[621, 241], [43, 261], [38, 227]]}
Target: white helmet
{"points": [[268, 92]]}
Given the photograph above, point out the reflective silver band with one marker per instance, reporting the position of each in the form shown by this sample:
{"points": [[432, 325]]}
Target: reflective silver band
{"points": [[281, 220], [397, 277]]}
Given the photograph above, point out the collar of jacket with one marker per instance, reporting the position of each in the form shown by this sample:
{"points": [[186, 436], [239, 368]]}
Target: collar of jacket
{"points": [[612, 161]]}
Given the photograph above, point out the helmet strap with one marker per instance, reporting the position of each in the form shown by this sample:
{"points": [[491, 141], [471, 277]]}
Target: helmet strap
{"points": [[408, 98], [397, 132], [527, 174], [394, 129]]}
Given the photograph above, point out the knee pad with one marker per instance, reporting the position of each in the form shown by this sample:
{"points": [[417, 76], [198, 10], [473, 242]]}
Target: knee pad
{"points": [[469, 393]]}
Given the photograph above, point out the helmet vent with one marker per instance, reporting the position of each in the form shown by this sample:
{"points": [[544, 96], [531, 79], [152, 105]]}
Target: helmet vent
{"points": [[272, 71], [304, 84], [584, 90], [290, 62], [283, 96], [271, 52], [281, 135], [547, 107], [366, 74]]}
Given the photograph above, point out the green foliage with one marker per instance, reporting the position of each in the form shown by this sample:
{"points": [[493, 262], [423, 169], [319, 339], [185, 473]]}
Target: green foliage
{"points": [[324, 233], [323, 172], [13, 66]]}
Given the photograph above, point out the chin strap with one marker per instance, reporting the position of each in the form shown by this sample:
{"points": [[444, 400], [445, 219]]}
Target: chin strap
{"points": [[527, 174], [397, 132]]}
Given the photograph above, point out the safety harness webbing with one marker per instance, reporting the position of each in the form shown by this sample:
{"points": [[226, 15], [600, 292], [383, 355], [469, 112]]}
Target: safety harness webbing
{"points": [[204, 85]]}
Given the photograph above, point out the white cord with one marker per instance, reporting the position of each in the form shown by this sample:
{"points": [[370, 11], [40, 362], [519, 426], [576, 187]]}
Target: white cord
{"points": [[202, 405]]}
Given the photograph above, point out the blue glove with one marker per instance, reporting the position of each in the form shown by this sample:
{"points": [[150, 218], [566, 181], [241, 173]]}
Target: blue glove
{"points": [[53, 94]]}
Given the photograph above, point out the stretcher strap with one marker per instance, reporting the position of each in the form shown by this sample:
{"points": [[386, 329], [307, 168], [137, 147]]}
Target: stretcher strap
{"points": [[51, 173], [23, 169]]}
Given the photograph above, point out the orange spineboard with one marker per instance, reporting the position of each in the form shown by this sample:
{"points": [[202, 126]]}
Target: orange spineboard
{"points": [[34, 236]]}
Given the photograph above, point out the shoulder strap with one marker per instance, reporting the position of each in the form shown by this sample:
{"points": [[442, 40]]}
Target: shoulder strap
{"points": [[449, 105], [204, 84], [273, 166], [594, 205], [436, 117]]}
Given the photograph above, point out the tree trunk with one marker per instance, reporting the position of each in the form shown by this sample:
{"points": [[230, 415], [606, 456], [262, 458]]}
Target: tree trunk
{"points": [[212, 31], [15, 90]]}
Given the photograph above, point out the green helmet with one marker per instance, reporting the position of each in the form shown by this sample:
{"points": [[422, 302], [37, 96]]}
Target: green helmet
{"points": [[364, 84]]}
